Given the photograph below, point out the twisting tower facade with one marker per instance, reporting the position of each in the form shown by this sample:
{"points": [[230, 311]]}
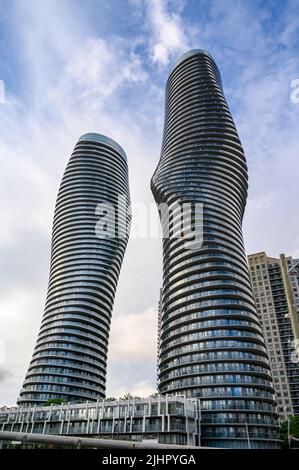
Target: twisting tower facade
{"points": [[211, 344], [69, 360]]}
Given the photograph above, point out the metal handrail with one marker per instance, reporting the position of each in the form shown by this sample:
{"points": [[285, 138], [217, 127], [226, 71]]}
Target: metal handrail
{"points": [[80, 442]]}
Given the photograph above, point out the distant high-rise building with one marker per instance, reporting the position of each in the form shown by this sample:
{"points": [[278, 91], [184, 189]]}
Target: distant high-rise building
{"points": [[271, 302], [211, 343], [69, 360]]}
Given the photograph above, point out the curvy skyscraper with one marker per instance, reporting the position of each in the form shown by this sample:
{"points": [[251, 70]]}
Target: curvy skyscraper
{"points": [[69, 360], [211, 344]]}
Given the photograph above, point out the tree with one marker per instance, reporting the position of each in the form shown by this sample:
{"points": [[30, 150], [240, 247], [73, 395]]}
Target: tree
{"points": [[55, 401], [127, 396], [294, 430]]}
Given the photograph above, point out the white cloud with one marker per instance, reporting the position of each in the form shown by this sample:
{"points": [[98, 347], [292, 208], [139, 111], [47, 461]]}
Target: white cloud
{"points": [[132, 353], [118, 388], [143, 389], [133, 337], [93, 68], [169, 34], [21, 309], [69, 90]]}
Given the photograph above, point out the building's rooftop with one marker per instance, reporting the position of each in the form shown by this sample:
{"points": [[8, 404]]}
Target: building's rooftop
{"points": [[188, 54], [103, 139]]}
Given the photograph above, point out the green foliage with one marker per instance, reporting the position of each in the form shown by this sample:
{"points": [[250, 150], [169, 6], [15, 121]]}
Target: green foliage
{"points": [[127, 396], [55, 401], [294, 430]]}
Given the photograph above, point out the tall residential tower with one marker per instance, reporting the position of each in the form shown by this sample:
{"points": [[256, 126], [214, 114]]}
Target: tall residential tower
{"points": [[271, 302], [69, 360], [211, 343]]}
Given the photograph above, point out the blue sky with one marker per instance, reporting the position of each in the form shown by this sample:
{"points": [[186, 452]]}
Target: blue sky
{"points": [[74, 66]]}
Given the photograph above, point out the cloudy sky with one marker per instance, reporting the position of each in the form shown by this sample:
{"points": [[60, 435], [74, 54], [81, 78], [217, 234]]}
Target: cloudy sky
{"points": [[76, 66]]}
